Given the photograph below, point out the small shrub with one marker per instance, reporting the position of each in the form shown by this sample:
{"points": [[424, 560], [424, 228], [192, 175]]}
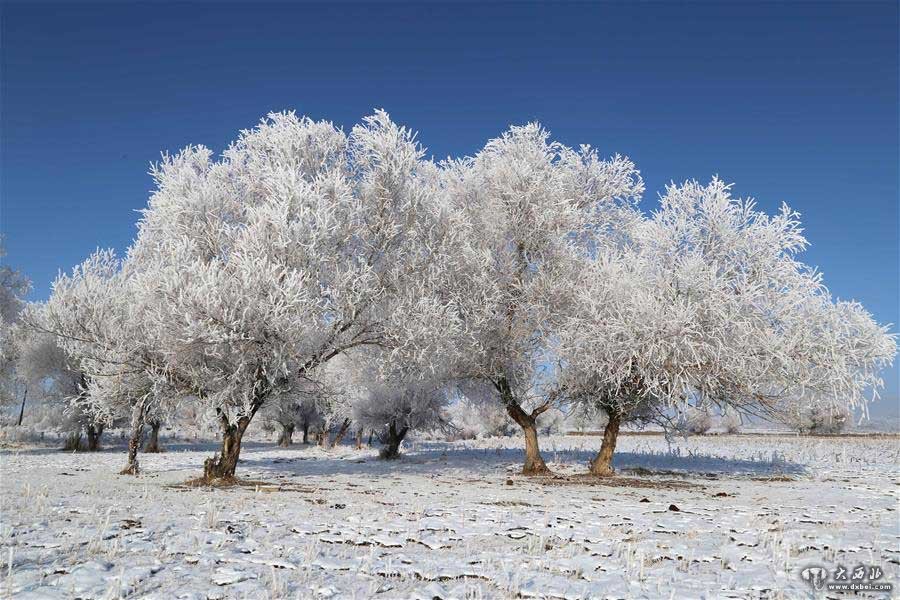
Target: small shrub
{"points": [[731, 423], [821, 422], [694, 422]]}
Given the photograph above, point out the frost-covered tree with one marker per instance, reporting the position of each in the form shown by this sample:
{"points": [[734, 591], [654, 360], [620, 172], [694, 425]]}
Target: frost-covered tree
{"points": [[819, 420], [731, 422], [303, 407], [330, 396], [395, 410], [296, 245], [98, 317], [708, 300], [473, 419], [396, 405], [553, 421], [14, 286], [155, 422], [694, 421], [283, 411], [526, 209], [55, 378], [308, 416]]}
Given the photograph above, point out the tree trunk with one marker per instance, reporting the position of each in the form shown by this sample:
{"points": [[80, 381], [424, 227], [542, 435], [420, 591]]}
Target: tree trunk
{"points": [[152, 445], [134, 442], [371, 435], [339, 437], [22, 410], [305, 432], [223, 465], [359, 436], [534, 462], [391, 450], [601, 466], [94, 431], [322, 439], [287, 435]]}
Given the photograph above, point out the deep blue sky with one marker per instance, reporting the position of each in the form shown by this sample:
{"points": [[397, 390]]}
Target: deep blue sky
{"points": [[794, 102]]}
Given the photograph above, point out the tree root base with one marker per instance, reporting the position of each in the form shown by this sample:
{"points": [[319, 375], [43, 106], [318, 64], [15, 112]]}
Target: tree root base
{"points": [[608, 472], [214, 482], [536, 471]]}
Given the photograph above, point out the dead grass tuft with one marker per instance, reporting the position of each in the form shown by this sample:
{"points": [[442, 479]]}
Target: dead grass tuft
{"points": [[506, 503]]}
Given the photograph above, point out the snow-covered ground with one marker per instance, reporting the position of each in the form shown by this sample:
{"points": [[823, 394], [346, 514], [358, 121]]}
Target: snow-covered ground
{"points": [[714, 517]]}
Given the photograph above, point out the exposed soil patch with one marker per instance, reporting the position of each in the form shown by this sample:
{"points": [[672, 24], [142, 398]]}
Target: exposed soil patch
{"points": [[643, 472], [616, 481], [237, 482], [774, 478]]}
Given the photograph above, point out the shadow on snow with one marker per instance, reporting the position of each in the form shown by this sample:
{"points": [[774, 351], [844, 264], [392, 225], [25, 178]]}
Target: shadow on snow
{"points": [[437, 458]]}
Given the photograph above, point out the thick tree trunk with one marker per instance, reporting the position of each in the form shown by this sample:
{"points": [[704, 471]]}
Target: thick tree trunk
{"points": [[94, 431], [305, 432], [395, 436], [223, 465], [359, 436], [371, 435], [322, 439], [287, 435], [134, 442], [339, 437], [534, 462], [601, 466], [22, 410], [152, 445]]}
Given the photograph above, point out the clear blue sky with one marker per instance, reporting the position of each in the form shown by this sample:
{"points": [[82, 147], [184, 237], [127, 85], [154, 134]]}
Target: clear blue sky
{"points": [[793, 101]]}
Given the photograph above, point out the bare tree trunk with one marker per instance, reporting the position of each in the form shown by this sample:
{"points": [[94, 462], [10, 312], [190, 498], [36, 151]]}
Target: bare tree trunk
{"points": [[534, 462], [601, 466], [359, 436], [395, 437], [22, 410], [305, 432], [94, 431], [339, 437], [134, 442], [152, 445], [287, 435], [222, 466], [371, 435], [322, 439]]}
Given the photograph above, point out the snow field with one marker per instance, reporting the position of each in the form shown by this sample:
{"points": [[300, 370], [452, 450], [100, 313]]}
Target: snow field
{"points": [[712, 517]]}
